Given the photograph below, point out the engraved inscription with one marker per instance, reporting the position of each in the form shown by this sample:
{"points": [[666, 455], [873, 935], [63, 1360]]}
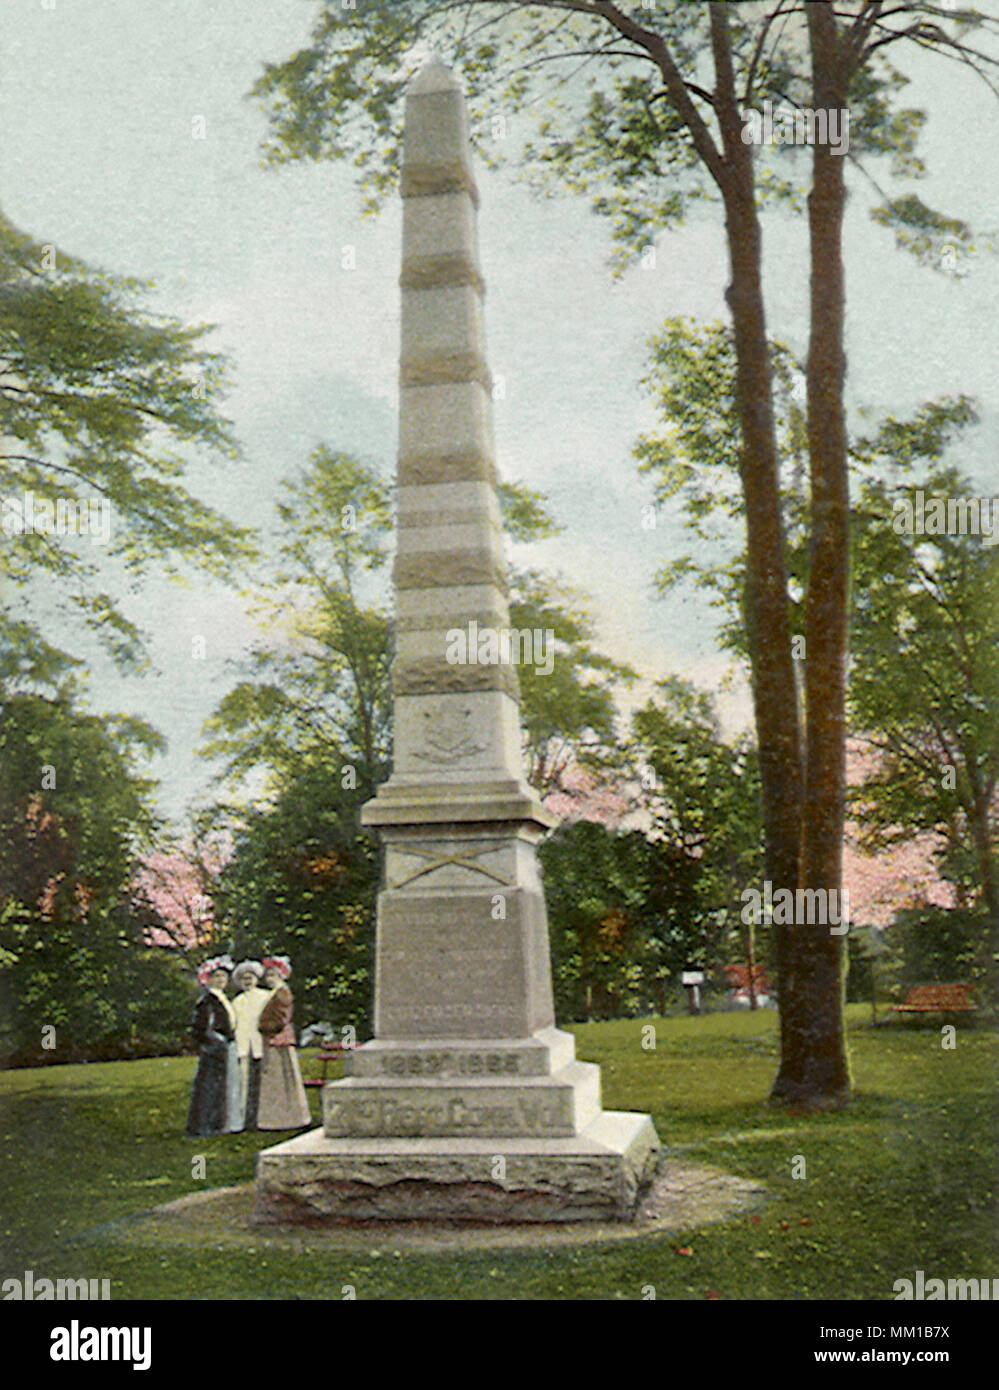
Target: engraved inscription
{"points": [[456, 1115], [451, 1064]]}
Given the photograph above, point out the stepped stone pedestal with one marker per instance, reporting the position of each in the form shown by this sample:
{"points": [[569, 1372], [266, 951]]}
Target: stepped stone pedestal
{"points": [[468, 1103], [484, 1130]]}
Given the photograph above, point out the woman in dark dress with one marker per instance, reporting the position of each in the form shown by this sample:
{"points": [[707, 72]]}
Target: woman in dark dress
{"points": [[215, 1095]]}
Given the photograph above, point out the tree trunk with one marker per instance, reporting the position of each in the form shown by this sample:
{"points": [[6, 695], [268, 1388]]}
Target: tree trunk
{"points": [[775, 701], [803, 833], [814, 1068], [984, 849]]}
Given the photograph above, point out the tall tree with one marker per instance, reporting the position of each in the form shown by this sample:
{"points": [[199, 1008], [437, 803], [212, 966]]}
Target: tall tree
{"points": [[173, 891], [302, 879], [568, 713], [310, 720], [650, 129], [319, 684], [922, 686], [100, 400], [629, 910], [603, 911]]}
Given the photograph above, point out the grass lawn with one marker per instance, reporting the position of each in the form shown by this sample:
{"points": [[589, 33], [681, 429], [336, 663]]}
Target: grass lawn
{"points": [[904, 1179]]}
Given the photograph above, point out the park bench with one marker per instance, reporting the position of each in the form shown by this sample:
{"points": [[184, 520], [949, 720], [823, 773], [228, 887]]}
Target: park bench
{"points": [[329, 1052], [943, 999]]}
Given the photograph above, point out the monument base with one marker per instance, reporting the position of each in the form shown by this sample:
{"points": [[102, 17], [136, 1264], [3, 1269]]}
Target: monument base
{"points": [[597, 1175], [504, 1130]]}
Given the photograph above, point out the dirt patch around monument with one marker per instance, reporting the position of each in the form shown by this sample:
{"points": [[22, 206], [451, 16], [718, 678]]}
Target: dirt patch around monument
{"points": [[683, 1196]]}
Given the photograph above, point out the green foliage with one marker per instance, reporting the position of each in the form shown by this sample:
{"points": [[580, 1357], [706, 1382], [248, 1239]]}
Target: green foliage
{"points": [[302, 881], [629, 910], [704, 805], [938, 945], [926, 233], [99, 402], [696, 457], [73, 809], [924, 684], [589, 93], [525, 515], [73, 815], [568, 714], [863, 961], [705, 791], [320, 684], [598, 891]]}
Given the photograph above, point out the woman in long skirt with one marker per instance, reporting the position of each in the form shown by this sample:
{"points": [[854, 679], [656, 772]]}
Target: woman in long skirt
{"points": [[214, 1105], [282, 1104]]}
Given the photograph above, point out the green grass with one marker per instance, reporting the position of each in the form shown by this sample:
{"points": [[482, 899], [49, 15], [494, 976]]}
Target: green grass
{"points": [[903, 1179]]}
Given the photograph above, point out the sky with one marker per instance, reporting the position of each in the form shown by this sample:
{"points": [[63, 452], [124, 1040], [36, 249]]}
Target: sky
{"points": [[103, 102]]}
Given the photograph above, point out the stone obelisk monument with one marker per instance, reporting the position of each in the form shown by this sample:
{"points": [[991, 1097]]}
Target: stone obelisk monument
{"points": [[468, 1103]]}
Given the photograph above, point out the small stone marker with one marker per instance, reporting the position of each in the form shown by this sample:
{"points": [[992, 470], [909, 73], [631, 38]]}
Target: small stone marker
{"points": [[469, 1102], [692, 981]]}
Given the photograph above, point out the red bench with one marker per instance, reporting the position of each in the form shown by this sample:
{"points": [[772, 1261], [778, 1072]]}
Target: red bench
{"points": [[329, 1052], [943, 999]]}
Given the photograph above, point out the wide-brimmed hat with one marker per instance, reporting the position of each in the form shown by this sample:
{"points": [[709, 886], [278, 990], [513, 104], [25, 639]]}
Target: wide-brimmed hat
{"points": [[208, 968], [279, 963], [248, 967]]}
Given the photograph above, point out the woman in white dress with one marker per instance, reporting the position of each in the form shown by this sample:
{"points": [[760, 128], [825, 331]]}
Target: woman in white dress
{"points": [[249, 1043]]}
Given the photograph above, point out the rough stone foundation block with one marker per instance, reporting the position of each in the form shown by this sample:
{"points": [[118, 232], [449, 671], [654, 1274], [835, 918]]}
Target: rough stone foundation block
{"points": [[596, 1175]]}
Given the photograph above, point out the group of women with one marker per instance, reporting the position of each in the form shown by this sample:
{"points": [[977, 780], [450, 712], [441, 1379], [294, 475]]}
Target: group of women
{"points": [[248, 1076]]}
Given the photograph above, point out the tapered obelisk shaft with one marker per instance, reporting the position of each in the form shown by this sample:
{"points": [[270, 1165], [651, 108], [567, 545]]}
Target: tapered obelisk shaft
{"points": [[456, 727], [462, 945]]}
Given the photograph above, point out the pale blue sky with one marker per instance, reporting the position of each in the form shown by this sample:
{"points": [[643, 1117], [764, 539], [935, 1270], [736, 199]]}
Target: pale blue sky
{"points": [[98, 99]]}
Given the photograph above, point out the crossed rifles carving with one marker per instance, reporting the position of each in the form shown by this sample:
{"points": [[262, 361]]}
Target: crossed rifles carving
{"points": [[438, 861]]}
